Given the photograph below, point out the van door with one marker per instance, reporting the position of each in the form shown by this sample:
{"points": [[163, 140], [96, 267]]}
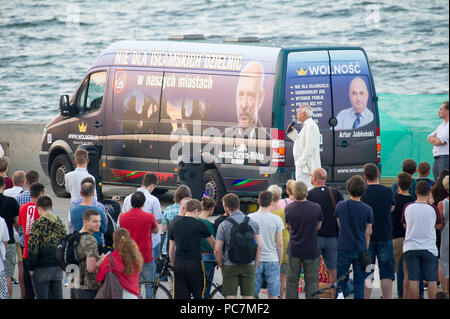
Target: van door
{"points": [[354, 109], [308, 82], [87, 126], [133, 135]]}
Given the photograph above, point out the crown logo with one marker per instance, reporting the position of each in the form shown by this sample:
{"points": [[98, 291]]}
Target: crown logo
{"points": [[302, 71], [82, 127]]}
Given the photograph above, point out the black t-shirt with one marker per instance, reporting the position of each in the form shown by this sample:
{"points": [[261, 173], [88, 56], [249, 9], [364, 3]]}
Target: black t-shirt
{"points": [[9, 209], [302, 218], [398, 230], [188, 233], [321, 196], [381, 199]]}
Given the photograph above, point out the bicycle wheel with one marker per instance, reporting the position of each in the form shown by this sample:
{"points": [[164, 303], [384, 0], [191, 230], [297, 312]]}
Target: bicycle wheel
{"points": [[162, 293], [217, 293]]}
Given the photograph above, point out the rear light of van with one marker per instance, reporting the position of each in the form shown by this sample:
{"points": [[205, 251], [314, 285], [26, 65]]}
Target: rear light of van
{"points": [[278, 152], [378, 145]]}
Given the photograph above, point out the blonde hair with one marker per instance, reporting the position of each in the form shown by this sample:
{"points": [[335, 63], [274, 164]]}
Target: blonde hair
{"points": [[276, 192], [290, 187], [128, 251], [445, 183]]}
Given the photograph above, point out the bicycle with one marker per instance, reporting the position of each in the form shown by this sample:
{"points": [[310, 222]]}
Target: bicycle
{"points": [[216, 292], [159, 290], [340, 294]]}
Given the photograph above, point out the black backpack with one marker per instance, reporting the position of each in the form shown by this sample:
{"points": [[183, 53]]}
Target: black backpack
{"points": [[66, 251], [242, 248]]}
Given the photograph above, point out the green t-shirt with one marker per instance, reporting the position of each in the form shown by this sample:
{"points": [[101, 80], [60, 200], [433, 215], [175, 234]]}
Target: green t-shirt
{"points": [[204, 245]]}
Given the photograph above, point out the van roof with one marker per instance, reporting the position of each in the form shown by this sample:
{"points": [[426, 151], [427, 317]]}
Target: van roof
{"points": [[267, 55]]}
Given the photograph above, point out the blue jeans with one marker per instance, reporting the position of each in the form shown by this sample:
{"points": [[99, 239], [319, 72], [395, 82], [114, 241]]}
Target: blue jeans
{"points": [[148, 274], [208, 267], [270, 272], [344, 260]]}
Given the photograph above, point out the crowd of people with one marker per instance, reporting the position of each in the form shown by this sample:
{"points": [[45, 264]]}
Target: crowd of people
{"points": [[402, 229]]}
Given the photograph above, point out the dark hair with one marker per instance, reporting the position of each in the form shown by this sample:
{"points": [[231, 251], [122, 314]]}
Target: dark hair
{"points": [[265, 198], [36, 189], [137, 200], [409, 166], [423, 188], [356, 186], [88, 180], [2, 181], [441, 295], [192, 205], [371, 171], [446, 105], [404, 181], [149, 179], [32, 177], [44, 202], [90, 212], [182, 192], [87, 189], [231, 201], [424, 168], [438, 191], [208, 203]]}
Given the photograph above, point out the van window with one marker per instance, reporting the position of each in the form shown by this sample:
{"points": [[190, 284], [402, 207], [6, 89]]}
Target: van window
{"points": [[95, 91], [218, 99], [94, 86], [136, 95]]}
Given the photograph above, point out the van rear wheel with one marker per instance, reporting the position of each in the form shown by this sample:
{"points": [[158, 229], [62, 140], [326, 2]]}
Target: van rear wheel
{"points": [[58, 169], [213, 187]]}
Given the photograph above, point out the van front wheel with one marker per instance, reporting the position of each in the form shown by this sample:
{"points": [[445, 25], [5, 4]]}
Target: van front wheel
{"points": [[59, 167], [213, 187]]}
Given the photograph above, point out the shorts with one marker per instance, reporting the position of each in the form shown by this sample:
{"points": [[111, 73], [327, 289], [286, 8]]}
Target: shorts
{"points": [[418, 261], [270, 273], [235, 276], [283, 268], [383, 250], [11, 259], [328, 249]]}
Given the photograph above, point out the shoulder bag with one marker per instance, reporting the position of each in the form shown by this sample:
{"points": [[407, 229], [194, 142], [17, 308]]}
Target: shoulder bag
{"points": [[111, 288]]}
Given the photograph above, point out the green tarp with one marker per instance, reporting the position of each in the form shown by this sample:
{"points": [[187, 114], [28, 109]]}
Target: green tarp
{"points": [[405, 123]]}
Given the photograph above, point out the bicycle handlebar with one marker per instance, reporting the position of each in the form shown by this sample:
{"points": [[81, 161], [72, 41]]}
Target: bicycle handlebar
{"points": [[341, 279]]}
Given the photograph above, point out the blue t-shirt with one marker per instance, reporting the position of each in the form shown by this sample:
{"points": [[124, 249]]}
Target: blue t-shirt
{"points": [[381, 199], [76, 218], [361, 216]]}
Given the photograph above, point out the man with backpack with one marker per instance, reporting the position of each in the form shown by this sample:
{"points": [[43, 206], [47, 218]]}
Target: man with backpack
{"points": [[237, 250]]}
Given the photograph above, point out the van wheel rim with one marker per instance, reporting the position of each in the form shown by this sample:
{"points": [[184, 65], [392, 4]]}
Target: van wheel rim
{"points": [[211, 189], [60, 178]]}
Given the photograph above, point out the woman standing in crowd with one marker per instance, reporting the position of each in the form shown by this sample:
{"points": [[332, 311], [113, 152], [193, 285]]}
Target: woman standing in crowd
{"points": [[127, 262]]}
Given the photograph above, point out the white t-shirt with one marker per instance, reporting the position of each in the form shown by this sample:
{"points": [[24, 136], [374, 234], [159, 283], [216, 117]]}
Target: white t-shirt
{"points": [[420, 220], [4, 237], [73, 182], [442, 133], [13, 191], [151, 205], [269, 224]]}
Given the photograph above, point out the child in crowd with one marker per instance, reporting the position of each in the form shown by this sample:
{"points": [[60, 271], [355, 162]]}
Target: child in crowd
{"points": [[423, 171]]}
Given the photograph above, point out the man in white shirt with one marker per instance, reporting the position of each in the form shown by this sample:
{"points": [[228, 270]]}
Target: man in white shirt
{"points": [[306, 148], [439, 139], [19, 182], [358, 115], [420, 220], [4, 238], [73, 179]]}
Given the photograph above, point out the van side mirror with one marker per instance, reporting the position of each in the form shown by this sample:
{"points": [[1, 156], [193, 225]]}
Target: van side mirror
{"points": [[64, 105]]}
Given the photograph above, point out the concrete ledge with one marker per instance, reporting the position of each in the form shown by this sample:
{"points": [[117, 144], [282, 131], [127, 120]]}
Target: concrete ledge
{"points": [[21, 141]]}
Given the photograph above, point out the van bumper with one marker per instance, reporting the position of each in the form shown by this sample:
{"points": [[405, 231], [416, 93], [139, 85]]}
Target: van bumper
{"points": [[43, 158]]}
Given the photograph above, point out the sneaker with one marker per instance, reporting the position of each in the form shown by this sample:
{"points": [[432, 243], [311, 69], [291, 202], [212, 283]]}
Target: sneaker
{"points": [[15, 283]]}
